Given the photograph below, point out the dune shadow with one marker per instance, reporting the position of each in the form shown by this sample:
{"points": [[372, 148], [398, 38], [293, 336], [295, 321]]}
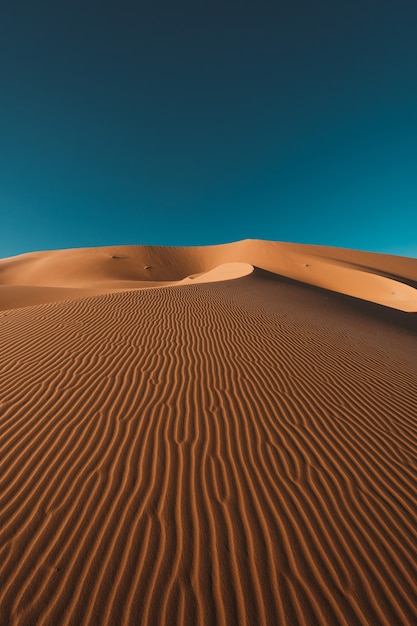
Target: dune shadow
{"points": [[370, 310]]}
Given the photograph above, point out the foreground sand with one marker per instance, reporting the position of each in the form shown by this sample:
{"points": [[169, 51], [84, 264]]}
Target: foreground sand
{"points": [[237, 448]]}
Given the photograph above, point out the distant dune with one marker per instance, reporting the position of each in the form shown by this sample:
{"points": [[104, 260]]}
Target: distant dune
{"points": [[384, 279], [208, 435]]}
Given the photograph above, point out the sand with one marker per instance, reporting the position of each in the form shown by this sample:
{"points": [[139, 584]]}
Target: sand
{"points": [[208, 435]]}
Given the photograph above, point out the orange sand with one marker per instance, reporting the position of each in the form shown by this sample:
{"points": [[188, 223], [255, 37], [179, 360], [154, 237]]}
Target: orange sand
{"points": [[236, 446]]}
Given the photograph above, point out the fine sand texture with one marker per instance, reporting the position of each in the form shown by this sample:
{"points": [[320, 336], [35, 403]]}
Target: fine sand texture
{"points": [[208, 435]]}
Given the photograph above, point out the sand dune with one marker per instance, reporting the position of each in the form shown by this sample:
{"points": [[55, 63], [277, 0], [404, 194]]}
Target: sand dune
{"points": [[383, 279], [235, 446]]}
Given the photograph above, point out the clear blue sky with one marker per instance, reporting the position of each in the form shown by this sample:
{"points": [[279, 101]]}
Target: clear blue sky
{"points": [[186, 123]]}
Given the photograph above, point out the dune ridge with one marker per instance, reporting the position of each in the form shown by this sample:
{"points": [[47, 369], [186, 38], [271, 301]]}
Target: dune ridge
{"points": [[384, 279], [236, 449]]}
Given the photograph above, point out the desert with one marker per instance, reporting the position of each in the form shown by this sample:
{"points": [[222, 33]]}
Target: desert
{"points": [[208, 435]]}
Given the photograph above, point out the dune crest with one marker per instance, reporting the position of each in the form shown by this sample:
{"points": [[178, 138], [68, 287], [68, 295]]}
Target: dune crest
{"points": [[225, 271], [235, 446], [383, 279]]}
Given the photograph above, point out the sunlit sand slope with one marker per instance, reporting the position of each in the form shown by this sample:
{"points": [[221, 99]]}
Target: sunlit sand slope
{"points": [[383, 279], [238, 452]]}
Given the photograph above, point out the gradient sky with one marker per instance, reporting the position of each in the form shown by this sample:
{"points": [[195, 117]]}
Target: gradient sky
{"points": [[187, 123]]}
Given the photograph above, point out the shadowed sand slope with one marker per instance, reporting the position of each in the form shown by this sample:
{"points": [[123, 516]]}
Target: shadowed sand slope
{"points": [[238, 452], [383, 279]]}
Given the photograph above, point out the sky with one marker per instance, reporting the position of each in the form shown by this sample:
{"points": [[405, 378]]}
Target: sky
{"points": [[193, 123]]}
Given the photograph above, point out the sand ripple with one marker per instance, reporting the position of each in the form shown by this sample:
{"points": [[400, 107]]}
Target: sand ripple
{"points": [[237, 452]]}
